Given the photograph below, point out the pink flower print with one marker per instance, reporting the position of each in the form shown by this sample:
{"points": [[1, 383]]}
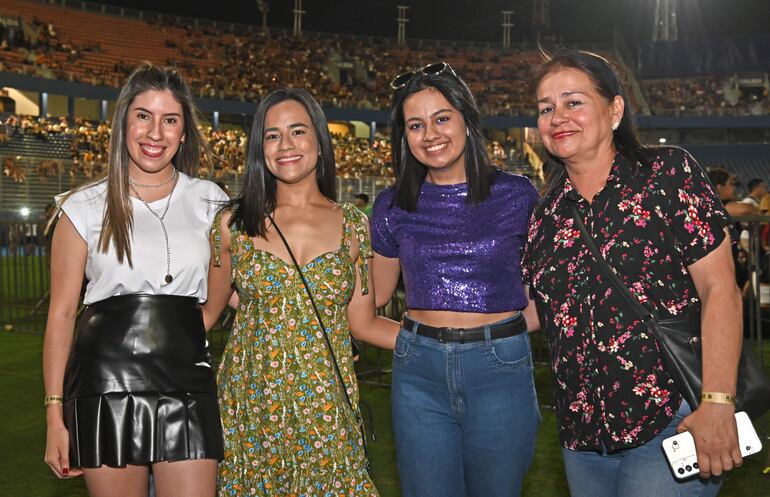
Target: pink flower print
{"points": [[566, 236], [639, 215], [637, 288], [648, 251]]}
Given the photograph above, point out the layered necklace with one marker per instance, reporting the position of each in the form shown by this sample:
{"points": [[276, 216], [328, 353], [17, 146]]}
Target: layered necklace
{"points": [[133, 184]]}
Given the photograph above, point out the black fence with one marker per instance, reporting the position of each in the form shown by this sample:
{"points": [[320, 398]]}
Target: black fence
{"points": [[24, 276]]}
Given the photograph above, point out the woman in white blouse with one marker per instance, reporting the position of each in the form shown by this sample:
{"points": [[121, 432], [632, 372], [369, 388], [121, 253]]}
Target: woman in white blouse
{"points": [[133, 388]]}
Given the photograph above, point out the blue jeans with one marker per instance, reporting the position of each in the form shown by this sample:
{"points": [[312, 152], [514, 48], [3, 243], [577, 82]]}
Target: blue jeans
{"points": [[465, 415], [639, 472]]}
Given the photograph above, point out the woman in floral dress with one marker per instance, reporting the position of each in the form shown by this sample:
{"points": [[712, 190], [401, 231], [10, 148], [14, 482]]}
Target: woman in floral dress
{"points": [[288, 428]]}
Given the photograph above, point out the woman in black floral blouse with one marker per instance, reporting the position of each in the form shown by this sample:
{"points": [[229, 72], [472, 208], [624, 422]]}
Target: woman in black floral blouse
{"points": [[656, 219]]}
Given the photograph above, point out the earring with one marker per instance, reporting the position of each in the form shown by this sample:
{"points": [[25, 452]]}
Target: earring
{"points": [[467, 132], [181, 141], [615, 126]]}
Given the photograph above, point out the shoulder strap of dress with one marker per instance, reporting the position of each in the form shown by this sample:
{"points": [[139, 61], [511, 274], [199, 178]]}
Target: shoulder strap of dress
{"points": [[216, 237], [354, 229]]}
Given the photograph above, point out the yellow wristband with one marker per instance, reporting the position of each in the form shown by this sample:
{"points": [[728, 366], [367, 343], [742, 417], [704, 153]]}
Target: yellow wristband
{"points": [[53, 400], [717, 398]]}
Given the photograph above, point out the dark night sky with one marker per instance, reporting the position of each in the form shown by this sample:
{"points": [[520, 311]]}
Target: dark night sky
{"points": [[576, 20]]}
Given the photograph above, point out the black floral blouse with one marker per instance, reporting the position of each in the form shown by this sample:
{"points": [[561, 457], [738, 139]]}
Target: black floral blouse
{"points": [[650, 222]]}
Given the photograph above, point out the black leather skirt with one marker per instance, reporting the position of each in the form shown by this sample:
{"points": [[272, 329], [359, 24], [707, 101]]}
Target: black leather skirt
{"points": [[139, 387]]}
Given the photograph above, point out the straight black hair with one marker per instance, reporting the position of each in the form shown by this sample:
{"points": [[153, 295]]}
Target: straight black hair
{"points": [[718, 175], [258, 197], [410, 173], [753, 183], [607, 83]]}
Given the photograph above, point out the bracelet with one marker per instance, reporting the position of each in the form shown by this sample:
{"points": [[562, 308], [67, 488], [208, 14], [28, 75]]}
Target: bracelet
{"points": [[717, 398], [53, 400]]}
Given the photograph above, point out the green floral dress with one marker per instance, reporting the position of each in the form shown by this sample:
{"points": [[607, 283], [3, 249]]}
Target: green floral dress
{"points": [[288, 430]]}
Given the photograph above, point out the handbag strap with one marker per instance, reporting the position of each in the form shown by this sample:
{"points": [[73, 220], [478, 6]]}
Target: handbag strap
{"points": [[356, 414], [317, 315], [644, 314]]}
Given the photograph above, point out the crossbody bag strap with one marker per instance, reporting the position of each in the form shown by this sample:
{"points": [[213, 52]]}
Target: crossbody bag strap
{"points": [[644, 313], [354, 411], [317, 313]]}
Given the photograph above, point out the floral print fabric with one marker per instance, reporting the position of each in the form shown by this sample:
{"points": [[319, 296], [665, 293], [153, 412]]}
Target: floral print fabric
{"points": [[650, 222], [288, 430]]}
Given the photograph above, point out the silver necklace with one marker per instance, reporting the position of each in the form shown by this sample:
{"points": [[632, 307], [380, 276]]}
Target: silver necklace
{"points": [[142, 185], [160, 217]]}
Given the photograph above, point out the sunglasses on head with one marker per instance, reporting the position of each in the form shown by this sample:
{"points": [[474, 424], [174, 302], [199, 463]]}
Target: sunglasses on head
{"points": [[402, 79]]}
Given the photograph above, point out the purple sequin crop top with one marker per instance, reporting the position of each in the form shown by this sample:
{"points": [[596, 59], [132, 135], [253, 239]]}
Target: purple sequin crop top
{"points": [[455, 256]]}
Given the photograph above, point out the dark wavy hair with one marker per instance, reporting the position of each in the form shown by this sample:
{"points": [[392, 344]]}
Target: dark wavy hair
{"points": [[410, 173], [607, 83], [258, 197], [718, 175]]}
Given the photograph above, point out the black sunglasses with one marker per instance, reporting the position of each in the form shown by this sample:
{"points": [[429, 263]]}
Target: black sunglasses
{"points": [[402, 79]]}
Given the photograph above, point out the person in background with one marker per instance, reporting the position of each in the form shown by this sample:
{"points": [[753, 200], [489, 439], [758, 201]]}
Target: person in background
{"points": [[724, 182], [757, 190], [362, 202], [658, 222], [134, 390], [465, 413]]}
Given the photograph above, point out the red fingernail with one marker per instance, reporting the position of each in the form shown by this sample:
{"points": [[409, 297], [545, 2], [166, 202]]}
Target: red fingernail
{"points": [[65, 471]]}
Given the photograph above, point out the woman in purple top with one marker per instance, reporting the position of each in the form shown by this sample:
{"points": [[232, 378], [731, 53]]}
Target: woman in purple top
{"points": [[465, 412]]}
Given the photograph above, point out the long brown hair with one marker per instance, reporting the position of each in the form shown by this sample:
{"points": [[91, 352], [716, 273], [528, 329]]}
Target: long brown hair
{"points": [[117, 221]]}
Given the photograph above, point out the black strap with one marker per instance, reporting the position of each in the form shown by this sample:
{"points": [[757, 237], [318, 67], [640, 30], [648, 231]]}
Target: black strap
{"points": [[644, 314], [356, 414]]}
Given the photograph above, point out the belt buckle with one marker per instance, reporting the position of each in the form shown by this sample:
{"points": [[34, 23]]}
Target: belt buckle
{"points": [[444, 332]]}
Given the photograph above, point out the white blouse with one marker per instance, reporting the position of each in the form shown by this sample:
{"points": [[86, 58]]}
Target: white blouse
{"points": [[194, 203]]}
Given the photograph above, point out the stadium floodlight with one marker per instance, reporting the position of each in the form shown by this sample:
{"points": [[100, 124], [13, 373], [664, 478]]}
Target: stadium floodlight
{"points": [[24, 211], [401, 20], [665, 28], [507, 25]]}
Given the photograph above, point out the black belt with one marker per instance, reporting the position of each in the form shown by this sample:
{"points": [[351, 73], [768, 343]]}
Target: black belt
{"points": [[506, 329]]}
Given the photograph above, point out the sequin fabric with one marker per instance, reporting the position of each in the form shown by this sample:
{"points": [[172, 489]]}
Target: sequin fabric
{"points": [[288, 430], [456, 256]]}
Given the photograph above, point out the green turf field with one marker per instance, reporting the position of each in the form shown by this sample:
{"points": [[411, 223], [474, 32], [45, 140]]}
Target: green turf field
{"points": [[22, 436]]}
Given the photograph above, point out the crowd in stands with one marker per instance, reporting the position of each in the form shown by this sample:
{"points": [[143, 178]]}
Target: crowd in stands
{"points": [[89, 145], [700, 97], [341, 72], [221, 62]]}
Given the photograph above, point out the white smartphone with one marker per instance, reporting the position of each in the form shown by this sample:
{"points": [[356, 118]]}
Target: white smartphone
{"points": [[680, 449]]}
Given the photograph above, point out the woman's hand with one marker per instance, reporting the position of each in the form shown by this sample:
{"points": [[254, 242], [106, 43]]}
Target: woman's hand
{"points": [[714, 430], [57, 446]]}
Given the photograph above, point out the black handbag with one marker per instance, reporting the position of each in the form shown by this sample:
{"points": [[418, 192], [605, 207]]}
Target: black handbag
{"points": [[679, 340], [355, 412]]}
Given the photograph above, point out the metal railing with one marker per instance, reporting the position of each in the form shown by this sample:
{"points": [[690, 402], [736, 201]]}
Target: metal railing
{"points": [[757, 296], [24, 276]]}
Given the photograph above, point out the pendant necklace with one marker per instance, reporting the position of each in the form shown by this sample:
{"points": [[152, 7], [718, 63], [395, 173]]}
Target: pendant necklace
{"points": [[160, 217]]}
